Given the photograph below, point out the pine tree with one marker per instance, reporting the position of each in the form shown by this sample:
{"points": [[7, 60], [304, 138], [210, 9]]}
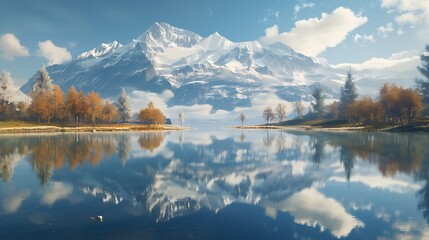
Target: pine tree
{"points": [[124, 107], [5, 81], [43, 82], [423, 83], [5, 85], [319, 102], [348, 93]]}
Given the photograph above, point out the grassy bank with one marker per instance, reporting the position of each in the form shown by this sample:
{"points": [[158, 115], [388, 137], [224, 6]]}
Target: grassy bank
{"points": [[420, 125], [29, 127]]}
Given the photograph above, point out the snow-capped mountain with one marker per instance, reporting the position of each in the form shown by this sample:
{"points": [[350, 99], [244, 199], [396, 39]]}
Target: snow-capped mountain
{"points": [[101, 50], [197, 70]]}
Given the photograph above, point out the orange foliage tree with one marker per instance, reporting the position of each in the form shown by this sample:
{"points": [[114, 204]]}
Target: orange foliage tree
{"points": [[109, 112], [95, 106], [151, 115]]}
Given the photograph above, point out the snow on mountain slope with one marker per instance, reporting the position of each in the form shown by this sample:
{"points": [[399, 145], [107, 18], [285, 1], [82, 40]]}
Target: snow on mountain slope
{"points": [[101, 50], [210, 71]]}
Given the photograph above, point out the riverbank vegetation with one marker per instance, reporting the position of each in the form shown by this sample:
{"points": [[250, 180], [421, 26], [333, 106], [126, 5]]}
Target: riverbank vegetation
{"points": [[50, 107], [395, 107]]}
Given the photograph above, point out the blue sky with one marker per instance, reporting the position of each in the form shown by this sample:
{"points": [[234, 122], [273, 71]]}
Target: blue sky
{"points": [[33, 33]]}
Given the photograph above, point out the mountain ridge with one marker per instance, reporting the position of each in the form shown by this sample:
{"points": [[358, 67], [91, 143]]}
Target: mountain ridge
{"points": [[200, 70]]}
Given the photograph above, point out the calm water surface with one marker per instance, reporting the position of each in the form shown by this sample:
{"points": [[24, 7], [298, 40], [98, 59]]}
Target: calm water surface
{"points": [[215, 184]]}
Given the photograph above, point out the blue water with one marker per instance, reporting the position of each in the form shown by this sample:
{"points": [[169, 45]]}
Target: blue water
{"points": [[215, 184]]}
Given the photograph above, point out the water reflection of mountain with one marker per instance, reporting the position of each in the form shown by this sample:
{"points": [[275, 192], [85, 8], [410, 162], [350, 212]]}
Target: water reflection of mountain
{"points": [[181, 174]]}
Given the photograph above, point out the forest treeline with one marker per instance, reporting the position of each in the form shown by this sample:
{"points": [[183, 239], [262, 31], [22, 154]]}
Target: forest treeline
{"points": [[394, 104], [51, 105]]}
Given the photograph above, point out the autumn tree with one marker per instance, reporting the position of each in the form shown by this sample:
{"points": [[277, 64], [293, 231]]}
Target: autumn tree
{"points": [[268, 114], [124, 107], [242, 118], [43, 105], [77, 105], [389, 99], [109, 112], [319, 102], [151, 115], [333, 109], [298, 108], [281, 111], [95, 106], [348, 93], [423, 83], [57, 100], [411, 103], [72, 104], [83, 104]]}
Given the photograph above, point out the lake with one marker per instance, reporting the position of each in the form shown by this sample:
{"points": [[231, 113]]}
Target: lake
{"points": [[215, 184]]}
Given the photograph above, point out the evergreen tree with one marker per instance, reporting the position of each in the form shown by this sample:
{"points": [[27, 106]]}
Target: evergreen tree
{"points": [[43, 82], [124, 107], [5, 81], [319, 102], [348, 93], [423, 83]]}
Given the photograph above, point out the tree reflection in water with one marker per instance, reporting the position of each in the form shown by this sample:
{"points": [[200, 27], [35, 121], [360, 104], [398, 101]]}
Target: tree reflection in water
{"points": [[49, 152], [392, 153], [151, 141]]}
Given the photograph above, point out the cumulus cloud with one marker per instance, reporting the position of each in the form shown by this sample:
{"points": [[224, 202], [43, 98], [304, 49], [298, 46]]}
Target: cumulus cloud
{"points": [[53, 53], [313, 36], [385, 30], [411, 12], [10, 47], [363, 38]]}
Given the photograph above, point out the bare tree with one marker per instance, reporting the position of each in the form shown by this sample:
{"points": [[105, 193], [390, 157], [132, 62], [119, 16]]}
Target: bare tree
{"points": [[281, 111], [299, 108], [181, 118], [268, 114], [242, 118]]}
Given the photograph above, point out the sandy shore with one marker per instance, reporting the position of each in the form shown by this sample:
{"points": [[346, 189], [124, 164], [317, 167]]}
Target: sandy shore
{"points": [[116, 128]]}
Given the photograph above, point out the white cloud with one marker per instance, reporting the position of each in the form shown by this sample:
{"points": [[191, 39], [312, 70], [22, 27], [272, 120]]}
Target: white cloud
{"points": [[363, 38], [385, 30], [400, 62], [313, 36], [298, 8], [55, 192], [305, 207], [411, 12], [53, 53], [10, 47]]}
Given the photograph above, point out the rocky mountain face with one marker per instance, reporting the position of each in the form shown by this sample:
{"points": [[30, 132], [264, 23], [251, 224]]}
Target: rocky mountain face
{"points": [[197, 70]]}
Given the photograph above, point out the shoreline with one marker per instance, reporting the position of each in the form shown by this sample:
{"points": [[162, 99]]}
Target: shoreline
{"points": [[396, 129], [87, 129]]}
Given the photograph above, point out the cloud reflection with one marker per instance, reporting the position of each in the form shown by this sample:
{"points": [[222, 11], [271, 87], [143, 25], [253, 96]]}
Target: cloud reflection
{"points": [[56, 191], [311, 208]]}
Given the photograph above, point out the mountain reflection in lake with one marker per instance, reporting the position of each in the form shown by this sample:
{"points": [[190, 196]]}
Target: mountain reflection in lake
{"points": [[220, 184]]}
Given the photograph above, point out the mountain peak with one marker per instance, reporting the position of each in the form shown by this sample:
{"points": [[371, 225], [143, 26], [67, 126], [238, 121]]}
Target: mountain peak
{"points": [[215, 41], [101, 50], [162, 34]]}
